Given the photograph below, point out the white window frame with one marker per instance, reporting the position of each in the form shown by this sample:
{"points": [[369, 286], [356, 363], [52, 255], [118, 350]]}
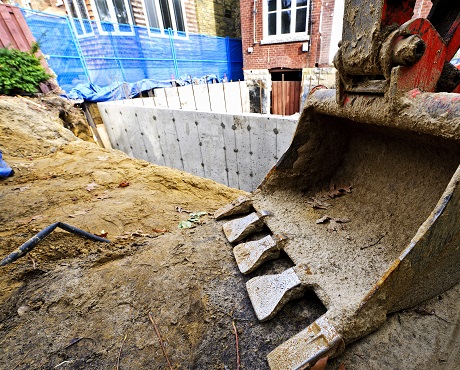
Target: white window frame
{"points": [[113, 15], [79, 19], [287, 37], [163, 31]]}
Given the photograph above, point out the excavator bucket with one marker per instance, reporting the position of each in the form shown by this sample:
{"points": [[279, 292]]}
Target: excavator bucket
{"points": [[366, 200]]}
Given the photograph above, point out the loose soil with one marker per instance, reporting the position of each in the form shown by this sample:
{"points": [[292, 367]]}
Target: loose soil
{"points": [[72, 303]]}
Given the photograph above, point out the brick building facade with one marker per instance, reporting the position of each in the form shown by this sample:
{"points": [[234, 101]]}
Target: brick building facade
{"points": [[218, 17], [261, 53], [271, 49], [281, 39]]}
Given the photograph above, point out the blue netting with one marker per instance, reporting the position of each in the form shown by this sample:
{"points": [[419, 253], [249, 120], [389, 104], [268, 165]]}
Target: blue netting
{"points": [[104, 53]]}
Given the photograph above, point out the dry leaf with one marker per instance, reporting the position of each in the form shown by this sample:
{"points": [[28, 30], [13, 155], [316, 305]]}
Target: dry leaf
{"points": [[320, 364], [102, 234], [333, 226], [159, 230], [91, 187], [22, 188], [323, 220], [104, 195], [80, 213], [28, 220], [334, 223], [123, 184], [180, 210], [339, 191], [317, 203]]}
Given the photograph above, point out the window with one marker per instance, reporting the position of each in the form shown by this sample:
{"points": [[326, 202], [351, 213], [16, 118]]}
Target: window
{"points": [[79, 17], [286, 20], [164, 14], [114, 15]]}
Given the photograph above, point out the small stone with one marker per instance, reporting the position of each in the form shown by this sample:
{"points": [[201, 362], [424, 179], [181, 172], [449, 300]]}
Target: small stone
{"points": [[23, 310]]}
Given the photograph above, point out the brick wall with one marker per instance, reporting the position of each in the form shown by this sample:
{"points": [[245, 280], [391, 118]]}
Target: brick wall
{"points": [[422, 8], [283, 55], [326, 27], [218, 17]]}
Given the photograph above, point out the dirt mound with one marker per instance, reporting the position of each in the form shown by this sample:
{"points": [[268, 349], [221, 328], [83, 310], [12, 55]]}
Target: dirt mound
{"points": [[72, 303], [69, 288]]}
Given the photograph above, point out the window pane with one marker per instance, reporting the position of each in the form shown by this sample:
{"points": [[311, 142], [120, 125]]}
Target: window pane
{"points": [[285, 4], [166, 14], [107, 27], [87, 25], [124, 28], [73, 12], [178, 14], [120, 11], [286, 22], [301, 20], [103, 10], [302, 2], [81, 6], [152, 16], [78, 28], [271, 5], [272, 24]]}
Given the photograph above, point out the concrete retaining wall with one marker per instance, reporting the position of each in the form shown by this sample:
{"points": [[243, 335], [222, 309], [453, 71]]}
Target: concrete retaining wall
{"points": [[235, 150]]}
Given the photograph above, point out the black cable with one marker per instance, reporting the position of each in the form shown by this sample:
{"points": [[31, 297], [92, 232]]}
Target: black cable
{"points": [[32, 242]]}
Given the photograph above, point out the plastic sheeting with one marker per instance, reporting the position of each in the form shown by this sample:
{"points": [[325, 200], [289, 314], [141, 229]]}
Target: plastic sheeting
{"points": [[101, 53], [125, 90], [5, 170]]}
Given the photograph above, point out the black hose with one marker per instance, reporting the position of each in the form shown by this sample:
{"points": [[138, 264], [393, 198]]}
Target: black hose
{"points": [[32, 242]]}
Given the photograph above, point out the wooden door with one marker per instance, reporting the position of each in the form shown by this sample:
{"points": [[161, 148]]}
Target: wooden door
{"points": [[285, 97]]}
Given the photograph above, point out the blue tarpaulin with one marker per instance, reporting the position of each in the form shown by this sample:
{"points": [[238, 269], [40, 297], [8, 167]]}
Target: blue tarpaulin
{"points": [[124, 90], [81, 51], [5, 170]]}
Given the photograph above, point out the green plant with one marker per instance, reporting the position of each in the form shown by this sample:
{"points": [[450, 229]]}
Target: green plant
{"points": [[20, 71]]}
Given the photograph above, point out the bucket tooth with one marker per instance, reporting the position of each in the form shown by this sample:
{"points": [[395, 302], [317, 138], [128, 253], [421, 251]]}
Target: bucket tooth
{"points": [[251, 255], [269, 293], [318, 340], [239, 228], [238, 206]]}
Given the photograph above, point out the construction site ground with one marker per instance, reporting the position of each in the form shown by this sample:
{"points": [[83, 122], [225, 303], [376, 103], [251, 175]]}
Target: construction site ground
{"points": [[73, 303]]}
